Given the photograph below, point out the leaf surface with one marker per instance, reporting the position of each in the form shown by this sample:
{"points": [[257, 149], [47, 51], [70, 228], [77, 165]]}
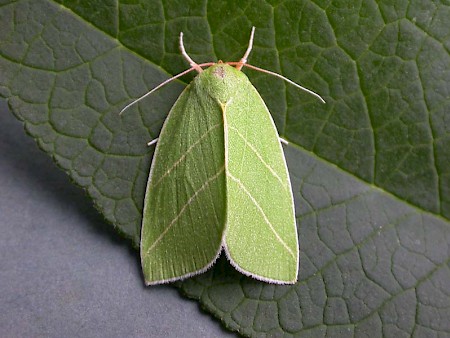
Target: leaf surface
{"points": [[370, 169]]}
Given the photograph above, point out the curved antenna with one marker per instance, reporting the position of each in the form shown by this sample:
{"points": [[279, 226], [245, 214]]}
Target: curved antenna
{"points": [[281, 77], [243, 60], [164, 83], [187, 57]]}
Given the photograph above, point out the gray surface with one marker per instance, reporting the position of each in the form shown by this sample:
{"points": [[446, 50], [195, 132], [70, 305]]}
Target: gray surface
{"points": [[63, 272]]}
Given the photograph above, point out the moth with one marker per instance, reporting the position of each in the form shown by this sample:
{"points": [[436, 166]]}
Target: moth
{"points": [[219, 182]]}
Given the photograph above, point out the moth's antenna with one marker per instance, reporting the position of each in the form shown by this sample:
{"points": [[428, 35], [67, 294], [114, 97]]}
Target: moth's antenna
{"points": [[285, 79], [243, 61], [164, 83], [187, 57]]}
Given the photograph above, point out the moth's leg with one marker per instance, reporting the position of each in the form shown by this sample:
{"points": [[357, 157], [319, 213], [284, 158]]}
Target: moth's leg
{"points": [[282, 140], [152, 141], [187, 57], [243, 60]]}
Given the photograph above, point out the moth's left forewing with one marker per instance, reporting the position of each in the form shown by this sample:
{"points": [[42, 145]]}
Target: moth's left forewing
{"points": [[261, 236], [184, 207]]}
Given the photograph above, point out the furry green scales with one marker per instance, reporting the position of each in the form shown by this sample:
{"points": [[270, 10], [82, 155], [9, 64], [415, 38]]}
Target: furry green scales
{"points": [[219, 181]]}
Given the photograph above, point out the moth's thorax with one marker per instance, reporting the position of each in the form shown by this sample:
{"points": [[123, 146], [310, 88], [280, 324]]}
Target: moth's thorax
{"points": [[221, 81]]}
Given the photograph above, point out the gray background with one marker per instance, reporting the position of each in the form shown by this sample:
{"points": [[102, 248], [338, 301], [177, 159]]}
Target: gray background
{"points": [[64, 272]]}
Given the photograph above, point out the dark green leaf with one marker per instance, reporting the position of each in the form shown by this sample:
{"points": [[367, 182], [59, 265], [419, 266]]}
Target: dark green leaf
{"points": [[370, 169]]}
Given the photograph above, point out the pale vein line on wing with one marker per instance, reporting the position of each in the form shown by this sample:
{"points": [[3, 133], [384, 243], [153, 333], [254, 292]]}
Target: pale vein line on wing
{"points": [[190, 200], [241, 186], [177, 162], [248, 144]]}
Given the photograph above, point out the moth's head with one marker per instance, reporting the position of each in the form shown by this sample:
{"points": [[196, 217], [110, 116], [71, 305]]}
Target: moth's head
{"points": [[221, 80], [223, 72], [219, 71]]}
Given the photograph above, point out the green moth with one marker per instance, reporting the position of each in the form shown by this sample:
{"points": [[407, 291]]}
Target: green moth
{"points": [[219, 182]]}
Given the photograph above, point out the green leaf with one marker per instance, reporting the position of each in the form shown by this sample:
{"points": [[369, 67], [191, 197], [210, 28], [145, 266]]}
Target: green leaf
{"points": [[370, 169]]}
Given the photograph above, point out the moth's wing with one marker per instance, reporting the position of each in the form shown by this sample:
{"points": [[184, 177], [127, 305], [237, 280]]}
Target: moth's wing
{"points": [[261, 236], [184, 208]]}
